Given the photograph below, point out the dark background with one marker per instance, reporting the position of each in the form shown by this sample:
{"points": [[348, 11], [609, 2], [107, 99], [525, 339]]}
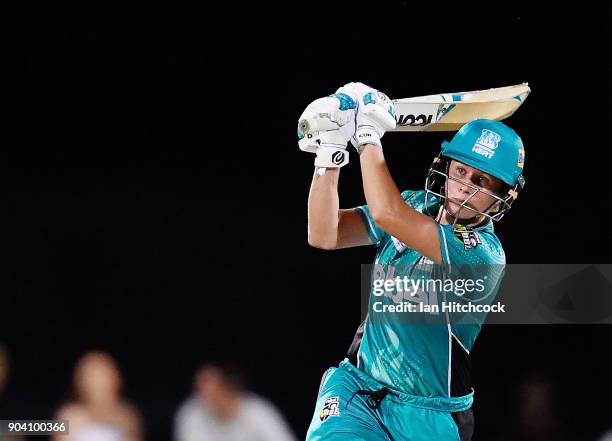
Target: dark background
{"points": [[155, 197]]}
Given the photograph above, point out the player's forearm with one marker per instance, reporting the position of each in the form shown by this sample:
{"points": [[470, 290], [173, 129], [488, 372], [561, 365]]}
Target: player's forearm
{"points": [[382, 195], [385, 201], [323, 207], [389, 210]]}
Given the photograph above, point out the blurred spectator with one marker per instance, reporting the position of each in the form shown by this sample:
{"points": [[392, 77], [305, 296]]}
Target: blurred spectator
{"points": [[606, 436], [221, 410], [98, 412], [4, 373]]}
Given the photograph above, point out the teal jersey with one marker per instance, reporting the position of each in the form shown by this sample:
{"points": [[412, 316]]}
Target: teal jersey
{"points": [[428, 360]]}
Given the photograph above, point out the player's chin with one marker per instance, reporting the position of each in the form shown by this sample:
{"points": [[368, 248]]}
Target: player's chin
{"points": [[460, 213]]}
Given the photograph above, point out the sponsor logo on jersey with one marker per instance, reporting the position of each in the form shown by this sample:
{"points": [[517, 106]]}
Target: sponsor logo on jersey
{"points": [[487, 143], [331, 408], [469, 237]]}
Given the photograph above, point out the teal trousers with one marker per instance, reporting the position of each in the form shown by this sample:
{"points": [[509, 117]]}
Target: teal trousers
{"points": [[351, 405]]}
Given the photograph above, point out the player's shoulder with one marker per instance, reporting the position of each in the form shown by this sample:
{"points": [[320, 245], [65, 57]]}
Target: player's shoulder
{"points": [[414, 198], [468, 245], [477, 244], [492, 248]]}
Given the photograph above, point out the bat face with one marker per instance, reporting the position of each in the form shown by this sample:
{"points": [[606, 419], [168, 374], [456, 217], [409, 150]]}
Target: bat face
{"points": [[450, 111]]}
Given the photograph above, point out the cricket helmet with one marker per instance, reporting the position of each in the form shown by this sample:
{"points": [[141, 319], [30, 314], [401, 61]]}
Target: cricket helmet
{"points": [[491, 147]]}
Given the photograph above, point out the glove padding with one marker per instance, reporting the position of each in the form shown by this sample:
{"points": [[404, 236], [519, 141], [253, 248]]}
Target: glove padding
{"points": [[325, 127], [327, 122], [375, 114]]}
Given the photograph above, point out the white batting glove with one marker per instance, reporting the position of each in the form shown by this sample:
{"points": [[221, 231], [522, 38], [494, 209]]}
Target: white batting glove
{"points": [[325, 127], [375, 114]]}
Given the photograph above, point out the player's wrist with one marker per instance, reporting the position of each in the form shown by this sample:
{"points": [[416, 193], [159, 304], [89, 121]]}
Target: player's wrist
{"points": [[366, 135], [331, 157], [368, 146]]}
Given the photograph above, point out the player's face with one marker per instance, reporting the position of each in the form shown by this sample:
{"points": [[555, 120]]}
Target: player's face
{"points": [[465, 181]]}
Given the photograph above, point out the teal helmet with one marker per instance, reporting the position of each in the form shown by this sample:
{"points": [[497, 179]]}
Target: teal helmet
{"points": [[491, 147]]}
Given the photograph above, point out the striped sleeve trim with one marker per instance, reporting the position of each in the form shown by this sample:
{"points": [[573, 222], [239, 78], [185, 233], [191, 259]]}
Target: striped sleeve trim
{"points": [[444, 246]]}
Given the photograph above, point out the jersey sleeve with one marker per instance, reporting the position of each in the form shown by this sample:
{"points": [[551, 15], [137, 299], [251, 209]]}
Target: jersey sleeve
{"points": [[413, 198], [377, 235]]}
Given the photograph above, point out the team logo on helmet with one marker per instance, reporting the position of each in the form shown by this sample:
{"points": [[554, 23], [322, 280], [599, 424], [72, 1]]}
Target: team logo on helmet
{"points": [[487, 143]]}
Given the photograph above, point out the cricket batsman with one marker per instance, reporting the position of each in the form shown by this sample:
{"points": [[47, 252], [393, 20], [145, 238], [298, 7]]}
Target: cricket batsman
{"points": [[403, 381]]}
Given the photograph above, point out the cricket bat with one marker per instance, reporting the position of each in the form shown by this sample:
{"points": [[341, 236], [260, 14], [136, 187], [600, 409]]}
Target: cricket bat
{"points": [[450, 111]]}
